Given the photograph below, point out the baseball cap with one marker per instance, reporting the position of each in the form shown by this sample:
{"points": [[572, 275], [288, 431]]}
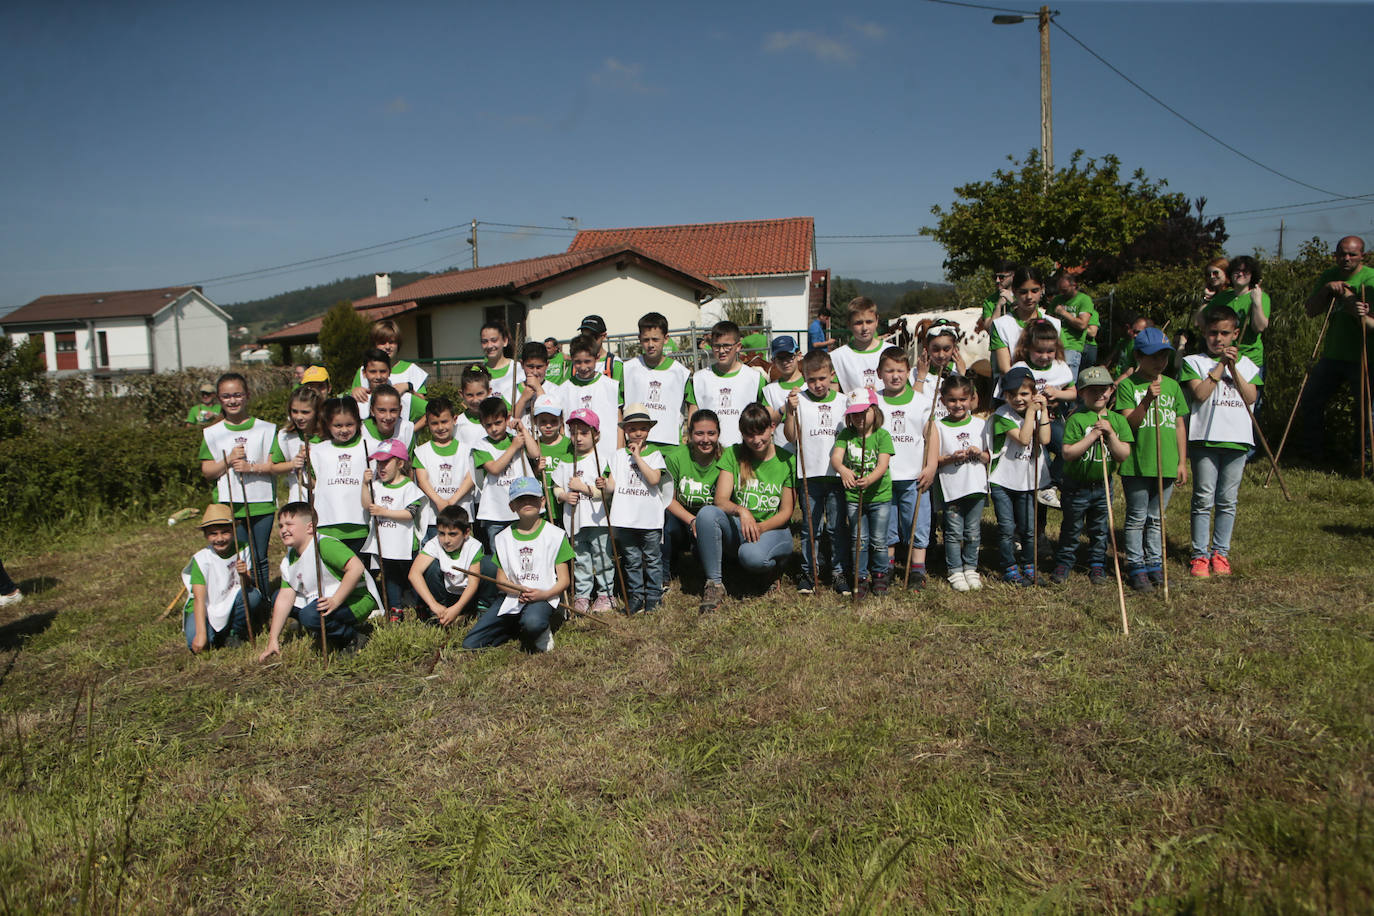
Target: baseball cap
{"points": [[859, 400], [546, 404], [1014, 378], [594, 323], [1151, 340], [524, 486], [586, 415], [1094, 375], [315, 374], [389, 448], [206, 388], [216, 514], [783, 343], [637, 413]]}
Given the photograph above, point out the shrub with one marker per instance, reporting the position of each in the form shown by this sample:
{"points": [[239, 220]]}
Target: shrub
{"points": [[344, 338]]}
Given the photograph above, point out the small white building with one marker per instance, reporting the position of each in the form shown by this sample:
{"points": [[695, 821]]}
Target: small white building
{"points": [[125, 332]]}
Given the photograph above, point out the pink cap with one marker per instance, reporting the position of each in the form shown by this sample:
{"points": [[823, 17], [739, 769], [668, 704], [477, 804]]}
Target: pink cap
{"points": [[859, 400], [390, 448], [586, 416]]}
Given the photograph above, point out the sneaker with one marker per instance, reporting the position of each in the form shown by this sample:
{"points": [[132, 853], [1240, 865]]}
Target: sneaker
{"points": [[1199, 568], [1031, 576], [545, 641], [959, 581], [582, 605], [880, 583], [861, 592], [804, 586], [916, 578], [13, 597], [1049, 497], [1061, 574], [602, 604], [1013, 577], [395, 615], [711, 597], [1096, 575], [665, 589], [842, 587], [1140, 581], [1156, 576], [1221, 565], [971, 579]]}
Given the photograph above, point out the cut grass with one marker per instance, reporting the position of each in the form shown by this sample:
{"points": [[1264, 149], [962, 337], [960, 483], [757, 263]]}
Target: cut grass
{"points": [[1007, 749]]}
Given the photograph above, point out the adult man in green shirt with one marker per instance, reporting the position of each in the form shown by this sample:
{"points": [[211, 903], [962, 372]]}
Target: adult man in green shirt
{"points": [[996, 305], [1344, 291], [1079, 317]]}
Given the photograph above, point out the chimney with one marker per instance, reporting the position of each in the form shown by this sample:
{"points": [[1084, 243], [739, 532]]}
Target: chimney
{"points": [[383, 285]]}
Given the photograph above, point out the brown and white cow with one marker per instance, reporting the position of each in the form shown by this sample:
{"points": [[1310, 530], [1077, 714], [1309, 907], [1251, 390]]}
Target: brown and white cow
{"points": [[909, 332]]}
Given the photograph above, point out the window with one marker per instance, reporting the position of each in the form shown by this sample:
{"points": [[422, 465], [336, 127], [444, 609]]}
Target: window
{"points": [[424, 337], [102, 350], [512, 313], [64, 343]]}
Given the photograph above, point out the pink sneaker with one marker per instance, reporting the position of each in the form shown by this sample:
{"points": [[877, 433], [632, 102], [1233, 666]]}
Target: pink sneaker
{"points": [[602, 604], [1221, 566], [1198, 568], [581, 605]]}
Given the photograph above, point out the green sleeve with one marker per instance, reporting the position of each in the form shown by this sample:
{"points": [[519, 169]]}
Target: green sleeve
{"points": [[193, 415], [480, 458], [1125, 396], [276, 454], [335, 554], [885, 446], [565, 551], [417, 407], [989, 306], [1076, 427], [618, 372], [1188, 373], [995, 341], [357, 379], [758, 395], [197, 576], [1183, 409], [204, 453], [1123, 428], [690, 394]]}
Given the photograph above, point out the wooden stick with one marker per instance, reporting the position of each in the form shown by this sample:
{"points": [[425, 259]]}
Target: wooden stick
{"points": [[548, 510], [315, 543], [248, 526], [806, 495], [1273, 462], [1035, 500], [1366, 433], [859, 516], [377, 530], [514, 389], [1159, 483], [1111, 529], [511, 589], [610, 530], [916, 512], [173, 603], [1301, 387]]}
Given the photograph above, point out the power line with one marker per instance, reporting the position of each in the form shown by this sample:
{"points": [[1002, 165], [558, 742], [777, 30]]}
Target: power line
{"points": [[1310, 203], [979, 6], [1344, 206]]}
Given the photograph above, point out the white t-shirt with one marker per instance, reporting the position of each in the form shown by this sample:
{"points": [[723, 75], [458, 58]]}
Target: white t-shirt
{"points": [[1222, 417], [1014, 469], [601, 396], [904, 418], [494, 501], [468, 431], [397, 535], [1010, 331], [820, 422], [727, 395], [635, 504], [339, 481], [257, 444], [222, 583], [775, 396], [967, 477], [300, 577], [1057, 373], [409, 373], [446, 474], [291, 445], [591, 510], [858, 368], [529, 562], [662, 391], [930, 390], [454, 569], [501, 384]]}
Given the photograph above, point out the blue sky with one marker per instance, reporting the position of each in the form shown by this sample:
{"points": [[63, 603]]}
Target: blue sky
{"points": [[150, 144]]}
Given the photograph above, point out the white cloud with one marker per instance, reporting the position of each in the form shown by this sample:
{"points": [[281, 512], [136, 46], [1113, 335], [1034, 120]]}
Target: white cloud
{"points": [[822, 47], [870, 30], [616, 74]]}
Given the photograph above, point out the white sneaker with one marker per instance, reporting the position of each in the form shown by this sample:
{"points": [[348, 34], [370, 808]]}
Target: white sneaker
{"points": [[545, 641], [958, 580], [1049, 497], [972, 581], [13, 597]]}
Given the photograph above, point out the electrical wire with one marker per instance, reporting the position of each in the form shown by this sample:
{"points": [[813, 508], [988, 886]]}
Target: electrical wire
{"points": [[994, 9], [1310, 203]]}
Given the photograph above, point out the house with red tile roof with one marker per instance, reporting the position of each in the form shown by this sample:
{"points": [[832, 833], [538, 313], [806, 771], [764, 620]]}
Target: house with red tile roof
{"points": [[769, 263], [125, 331], [441, 317]]}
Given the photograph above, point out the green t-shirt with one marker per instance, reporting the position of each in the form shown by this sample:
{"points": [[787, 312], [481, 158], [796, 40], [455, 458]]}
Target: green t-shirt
{"points": [[554, 454], [1077, 304], [761, 494], [990, 306], [1087, 468], [694, 485], [335, 555], [861, 457], [274, 455], [1251, 344], [1166, 413], [201, 414], [756, 341], [558, 370], [1343, 334]]}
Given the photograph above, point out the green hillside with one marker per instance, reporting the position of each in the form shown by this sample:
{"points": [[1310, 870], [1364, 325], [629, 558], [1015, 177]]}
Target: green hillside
{"points": [[307, 302]]}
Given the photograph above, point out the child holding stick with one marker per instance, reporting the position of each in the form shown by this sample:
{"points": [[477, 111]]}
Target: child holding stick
{"points": [[439, 574], [394, 503], [584, 516], [1018, 471], [216, 612], [588, 389], [496, 464], [783, 349], [302, 425], [956, 451], [442, 467], [635, 487], [863, 450], [813, 418], [337, 466], [494, 338], [905, 415]]}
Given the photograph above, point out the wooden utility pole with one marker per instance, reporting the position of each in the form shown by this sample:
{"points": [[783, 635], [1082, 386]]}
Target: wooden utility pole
{"points": [[472, 240], [1280, 240], [1046, 109]]}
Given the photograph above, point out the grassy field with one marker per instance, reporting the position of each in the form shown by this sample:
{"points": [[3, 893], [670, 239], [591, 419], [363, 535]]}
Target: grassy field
{"points": [[999, 750]]}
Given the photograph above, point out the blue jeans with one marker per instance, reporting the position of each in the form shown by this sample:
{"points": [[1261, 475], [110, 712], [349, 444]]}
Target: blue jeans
{"points": [[908, 504], [718, 532], [1089, 357], [963, 532], [236, 624], [487, 532], [641, 557], [1084, 505], [493, 629], [1015, 511], [1327, 377], [822, 506], [1217, 473], [340, 625], [396, 573], [1075, 359], [1142, 541], [434, 581], [593, 564], [872, 535], [677, 537], [262, 537]]}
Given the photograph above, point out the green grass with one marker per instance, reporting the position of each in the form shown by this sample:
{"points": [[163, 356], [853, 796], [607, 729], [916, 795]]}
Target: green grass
{"points": [[992, 751]]}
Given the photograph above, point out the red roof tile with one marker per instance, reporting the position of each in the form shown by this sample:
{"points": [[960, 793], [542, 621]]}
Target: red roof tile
{"points": [[82, 306], [309, 330], [738, 249]]}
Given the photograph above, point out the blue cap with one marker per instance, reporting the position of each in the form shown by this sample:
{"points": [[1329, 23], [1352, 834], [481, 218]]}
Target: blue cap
{"points": [[1151, 340], [783, 343], [1015, 378], [524, 486]]}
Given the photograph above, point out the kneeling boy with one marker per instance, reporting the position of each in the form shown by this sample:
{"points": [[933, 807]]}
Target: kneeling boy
{"points": [[216, 613], [439, 574]]}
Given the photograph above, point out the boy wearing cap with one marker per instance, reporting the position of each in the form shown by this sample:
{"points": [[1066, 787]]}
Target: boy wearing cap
{"points": [[553, 445], [657, 382], [727, 386], [531, 555], [783, 351], [216, 613], [208, 410], [584, 514], [395, 507], [606, 364], [317, 377], [1093, 435], [635, 487], [442, 467], [1154, 406]]}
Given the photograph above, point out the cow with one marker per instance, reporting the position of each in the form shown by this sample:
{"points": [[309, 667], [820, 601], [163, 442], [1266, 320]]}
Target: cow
{"points": [[909, 331]]}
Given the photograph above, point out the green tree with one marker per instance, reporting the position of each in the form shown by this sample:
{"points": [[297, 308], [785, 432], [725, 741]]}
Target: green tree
{"points": [[344, 337], [1085, 213]]}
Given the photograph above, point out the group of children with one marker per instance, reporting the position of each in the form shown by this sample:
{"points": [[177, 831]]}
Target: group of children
{"points": [[514, 506]]}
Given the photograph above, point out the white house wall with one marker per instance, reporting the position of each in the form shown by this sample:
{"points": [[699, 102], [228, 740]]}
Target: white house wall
{"points": [[126, 342], [204, 336], [621, 297], [785, 298]]}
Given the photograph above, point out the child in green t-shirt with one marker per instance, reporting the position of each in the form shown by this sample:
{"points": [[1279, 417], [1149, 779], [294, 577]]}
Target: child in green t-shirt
{"points": [[1092, 435], [216, 613], [1154, 406], [862, 452], [207, 411]]}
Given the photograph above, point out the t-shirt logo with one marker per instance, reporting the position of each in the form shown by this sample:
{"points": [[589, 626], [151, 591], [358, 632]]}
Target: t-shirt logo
{"points": [[963, 439], [725, 398], [824, 413], [526, 561], [870, 378], [898, 421], [586, 401], [445, 475], [655, 392], [345, 465]]}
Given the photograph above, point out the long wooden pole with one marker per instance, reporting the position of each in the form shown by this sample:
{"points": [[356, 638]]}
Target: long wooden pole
{"points": [[610, 530], [377, 530], [1111, 529], [248, 526], [806, 496], [168, 610], [1273, 462], [1159, 486], [1298, 398], [1035, 500], [510, 589], [1366, 432], [524, 460], [548, 509], [859, 516], [925, 444], [315, 545]]}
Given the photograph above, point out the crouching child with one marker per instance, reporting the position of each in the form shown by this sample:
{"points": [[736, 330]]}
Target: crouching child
{"points": [[217, 611], [333, 592]]}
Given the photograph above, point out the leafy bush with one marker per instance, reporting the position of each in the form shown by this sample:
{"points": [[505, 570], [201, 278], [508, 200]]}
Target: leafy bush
{"points": [[344, 338]]}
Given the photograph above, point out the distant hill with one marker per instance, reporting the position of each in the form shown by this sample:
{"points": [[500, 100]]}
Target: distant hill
{"points": [[299, 304], [912, 295]]}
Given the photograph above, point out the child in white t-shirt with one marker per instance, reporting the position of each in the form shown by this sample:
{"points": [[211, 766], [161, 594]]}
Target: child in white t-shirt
{"points": [[584, 514], [956, 450], [442, 468], [635, 487], [1040, 349], [1017, 435], [905, 417], [814, 416], [217, 609], [727, 386], [302, 426], [394, 503], [439, 574], [787, 364]]}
